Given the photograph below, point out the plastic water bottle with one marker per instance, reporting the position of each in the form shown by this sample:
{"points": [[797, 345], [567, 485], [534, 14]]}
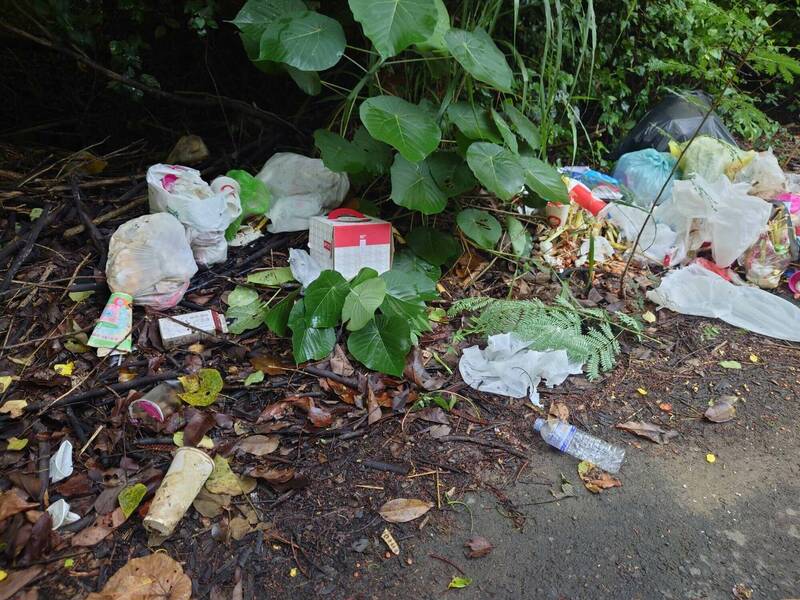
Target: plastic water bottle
{"points": [[568, 438]]}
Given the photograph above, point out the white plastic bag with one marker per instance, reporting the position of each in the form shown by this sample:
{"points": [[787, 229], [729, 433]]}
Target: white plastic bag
{"points": [[694, 290], [304, 268], [719, 212], [508, 368], [149, 258], [301, 187], [205, 210], [61, 515], [602, 250], [61, 462], [657, 243], [764, 175]]}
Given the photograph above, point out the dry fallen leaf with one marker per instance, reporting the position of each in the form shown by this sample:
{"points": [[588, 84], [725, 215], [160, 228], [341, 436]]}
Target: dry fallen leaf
{"points": [[722, 410], [269, 365], [340, 363], [153, 577], [92, 535], [199, 423], [559, 411], [239, 527], [16, 580], [225, 481], [259, 445], [595, 479], [477, 547], [319, 417], [12, 502], [272, 475], [415, 371], [210, 505], [373, 409], [652, 432], [402, 510], [346, 394], [14, 408]]}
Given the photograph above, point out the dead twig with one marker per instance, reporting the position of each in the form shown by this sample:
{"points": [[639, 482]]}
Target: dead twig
{"points": [[448, 562], [482, 442], [112, 214], [40, 224]]}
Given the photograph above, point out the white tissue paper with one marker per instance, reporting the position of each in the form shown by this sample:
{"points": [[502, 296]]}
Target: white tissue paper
{"points": [[61, 515], [508, 368], [61, 462]]}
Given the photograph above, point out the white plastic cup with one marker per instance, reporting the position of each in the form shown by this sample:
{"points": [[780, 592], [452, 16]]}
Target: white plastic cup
{"points": [[188, 472]]}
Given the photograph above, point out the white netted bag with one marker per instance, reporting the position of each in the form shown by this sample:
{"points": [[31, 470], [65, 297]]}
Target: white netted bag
{"points": [[301, 187], [205, 210], [149, 258]]}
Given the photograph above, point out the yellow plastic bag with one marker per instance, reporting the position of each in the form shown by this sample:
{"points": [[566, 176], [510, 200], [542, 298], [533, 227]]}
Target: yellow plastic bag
{"points": [[710, 158]]}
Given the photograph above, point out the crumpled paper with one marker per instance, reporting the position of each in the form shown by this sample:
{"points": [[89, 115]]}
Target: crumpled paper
{"points": [[61, 462], [507, 367], [602, 251], [61, 515]]}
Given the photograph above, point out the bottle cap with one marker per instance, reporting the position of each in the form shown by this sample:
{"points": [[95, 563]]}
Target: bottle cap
{"points": [[538, 424]]}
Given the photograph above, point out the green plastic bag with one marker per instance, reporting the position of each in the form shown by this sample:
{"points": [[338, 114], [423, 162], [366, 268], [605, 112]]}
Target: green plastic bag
{"points": [[254, 196]]}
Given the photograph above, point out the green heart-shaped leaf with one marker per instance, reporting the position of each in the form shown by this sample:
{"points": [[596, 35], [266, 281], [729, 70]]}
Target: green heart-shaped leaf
{"points": [[393, 25], [362, 302], [434, 246], [324, 299], [524, 126], [475, 123], [505, 131], [497, 169], [254, 17], [271, 277], [411, 130], [521, 242], [480, 57], [451, 173], [544, 180], [414, 188], [382, 344], [481, 227], [277, 317], [309, 343], [306, 40]]}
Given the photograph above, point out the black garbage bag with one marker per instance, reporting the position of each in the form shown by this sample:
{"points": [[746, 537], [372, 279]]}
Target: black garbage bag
{"points": [[674, 118]]}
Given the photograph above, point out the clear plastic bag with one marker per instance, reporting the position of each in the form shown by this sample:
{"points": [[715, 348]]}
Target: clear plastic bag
{"points": [[710, 158], [150, 258], [719, 212], [767, 259], [644, 173], [301, 187], [205, 210], [764, 175], [675, 117], [694, 290]]}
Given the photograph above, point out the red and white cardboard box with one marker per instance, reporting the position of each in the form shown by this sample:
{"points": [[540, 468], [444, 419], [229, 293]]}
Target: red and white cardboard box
{"points": [[347, 241]]}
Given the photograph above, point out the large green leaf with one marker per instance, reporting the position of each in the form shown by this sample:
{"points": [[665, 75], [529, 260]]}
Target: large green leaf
{"points": [[309, 343], [393, 25], [365, 274], [524, 126], [414, 188], [475, 123], [451, 173], [254, 17], [544, 180], [409, 285], [436, 43], [364, 153], [377, 155], [382, 344], [406, 126], [521, 242], [480, 57], [481, 227], [277, 317], [324, 299], [362, 302], [271, 277], [432, 245], [505, 131], [498, 170], [308, 81], [307, 41], [408, 262], [243, 317]]}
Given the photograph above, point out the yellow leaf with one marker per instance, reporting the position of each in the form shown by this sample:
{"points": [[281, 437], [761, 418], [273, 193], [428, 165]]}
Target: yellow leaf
{"points": [[201, 389], [5, 382], [293, 572], [649, 317], [206, 442], [225, 481], [3, 575], [79, 296], [754, 358], [14, 408], [69, 563], [16, 443], [642, 391], [130, 498], [64, 369], [711, 458]]}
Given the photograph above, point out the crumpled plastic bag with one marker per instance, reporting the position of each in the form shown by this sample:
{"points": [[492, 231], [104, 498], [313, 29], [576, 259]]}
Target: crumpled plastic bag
{"points": [[694, 290], [644, 172], [303, 266], [719, 212], [767, 259], [710, 158], [61, 462], [205, 210], [149, 258], [602, 250], [301, 187], [60, 514], [508, 368], [764, 175], [657, 243]]}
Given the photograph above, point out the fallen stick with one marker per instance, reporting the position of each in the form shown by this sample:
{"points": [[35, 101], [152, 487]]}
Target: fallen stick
{"points": [[447, 561], [94, 232], [350, 382], [117, 387], [482, 442], [40, 224], [388, 467], [112, 214]]}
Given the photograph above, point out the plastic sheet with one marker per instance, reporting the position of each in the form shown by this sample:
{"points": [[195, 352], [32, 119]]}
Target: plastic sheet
{"points": [[61, 515], [508, 368], [675, 117], [720, 213], [205, 210], [304, 268], [301, 187], [149, 258], [644, 173], [602, 251], [657, 243], [694, 290]]}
